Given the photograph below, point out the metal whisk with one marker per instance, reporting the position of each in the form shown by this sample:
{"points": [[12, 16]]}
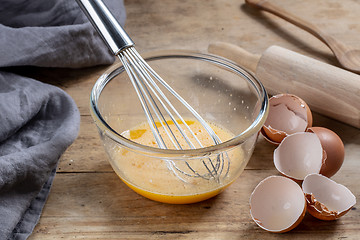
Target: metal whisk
{"points": [[156, 105]]}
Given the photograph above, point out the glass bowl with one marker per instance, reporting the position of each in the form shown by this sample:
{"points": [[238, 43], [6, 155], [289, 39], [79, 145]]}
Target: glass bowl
{"points": [[230, 99]]}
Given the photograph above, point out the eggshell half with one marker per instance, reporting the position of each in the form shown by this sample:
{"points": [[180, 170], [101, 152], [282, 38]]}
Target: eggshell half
{"points": [[298, 155], [326, 199], [334, 149], [288, 114], [277, 204]]}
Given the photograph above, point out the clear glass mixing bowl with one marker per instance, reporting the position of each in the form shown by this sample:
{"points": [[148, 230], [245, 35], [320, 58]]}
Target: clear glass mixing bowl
{"points": [[223, 93]]}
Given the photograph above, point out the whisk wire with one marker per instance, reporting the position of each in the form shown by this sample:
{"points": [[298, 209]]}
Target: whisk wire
{"points": [[187, 105], [147, 80], [140, 92], [137, 85], [148, 70], [133, 79], [143, 79]]}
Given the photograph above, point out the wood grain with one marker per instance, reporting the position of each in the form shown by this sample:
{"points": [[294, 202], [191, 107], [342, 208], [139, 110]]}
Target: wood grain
{"points": [[88, 201], [348, 57]]}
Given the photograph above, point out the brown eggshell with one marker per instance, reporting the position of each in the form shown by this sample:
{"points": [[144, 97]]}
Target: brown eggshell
{"points": [[334, 148], [298, 155], [326, 199], [288, 114], [277, 204], [272, 135]]}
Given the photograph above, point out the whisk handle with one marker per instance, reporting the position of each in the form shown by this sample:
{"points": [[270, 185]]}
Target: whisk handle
{"points": [[107, 26]]}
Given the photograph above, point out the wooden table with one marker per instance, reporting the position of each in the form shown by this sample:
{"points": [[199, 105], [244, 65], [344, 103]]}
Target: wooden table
{"points": [[88, 200]]}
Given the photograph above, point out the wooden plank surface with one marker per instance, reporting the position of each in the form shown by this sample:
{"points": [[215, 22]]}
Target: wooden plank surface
{"points": [[88, 201]]}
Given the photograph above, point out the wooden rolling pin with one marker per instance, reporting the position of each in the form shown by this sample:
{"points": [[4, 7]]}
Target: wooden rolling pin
{"points": [[328, 90]]}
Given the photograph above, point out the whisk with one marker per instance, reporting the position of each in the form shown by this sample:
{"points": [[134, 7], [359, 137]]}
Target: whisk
{"points": [[157, 107]]}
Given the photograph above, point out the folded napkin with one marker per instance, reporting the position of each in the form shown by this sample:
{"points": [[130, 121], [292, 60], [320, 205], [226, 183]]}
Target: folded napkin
{"points": [[39, 121]]}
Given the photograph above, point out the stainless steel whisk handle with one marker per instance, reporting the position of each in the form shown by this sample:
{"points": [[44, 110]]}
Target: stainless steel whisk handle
{"points": [[107, 26]]}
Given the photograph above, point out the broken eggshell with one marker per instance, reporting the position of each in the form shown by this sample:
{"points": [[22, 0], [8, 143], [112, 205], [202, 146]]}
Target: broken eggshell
{"points": [[298, 155], [333, 148], [288, 114], [326, 199], [277, 204]]}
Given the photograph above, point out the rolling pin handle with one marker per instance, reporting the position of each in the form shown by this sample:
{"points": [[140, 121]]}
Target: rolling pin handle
{"points": [[236, 54]]}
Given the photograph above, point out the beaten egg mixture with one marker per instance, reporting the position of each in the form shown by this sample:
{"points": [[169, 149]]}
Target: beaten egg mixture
{"points": [[168, 181]]}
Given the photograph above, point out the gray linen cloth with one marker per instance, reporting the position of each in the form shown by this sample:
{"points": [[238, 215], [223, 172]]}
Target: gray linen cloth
{"points": [[39, 121]]}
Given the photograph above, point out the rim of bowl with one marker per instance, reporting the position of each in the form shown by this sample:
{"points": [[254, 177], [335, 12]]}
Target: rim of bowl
{"points": [[117, 68]]}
